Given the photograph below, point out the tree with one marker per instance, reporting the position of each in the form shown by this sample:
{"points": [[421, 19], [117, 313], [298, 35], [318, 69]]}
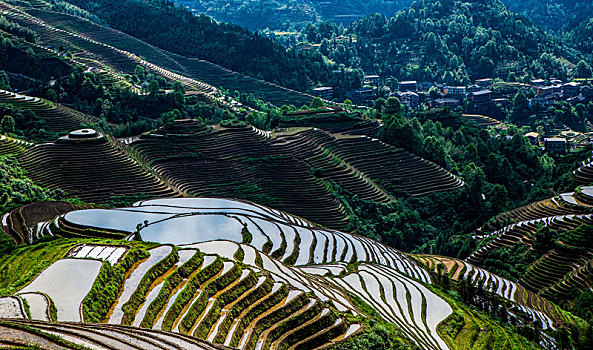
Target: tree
{"points": [[153, 87], [4, 82], [7, 124], [379, 104], [392, 106], [520, 107], [583, 70], [317, 103], [168, 119], [347, 104], [139, 73]]}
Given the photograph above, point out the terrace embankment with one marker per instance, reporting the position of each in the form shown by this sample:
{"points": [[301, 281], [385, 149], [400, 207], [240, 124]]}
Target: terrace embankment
{"points": [[88, 166], [292, 171], [56, 116]]}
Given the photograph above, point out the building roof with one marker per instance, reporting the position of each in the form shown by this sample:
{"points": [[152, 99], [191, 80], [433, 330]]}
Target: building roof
{"points": [[408, 82], [571, 84], [323, 88], [481, 92], [445, 100], [555, 139]]}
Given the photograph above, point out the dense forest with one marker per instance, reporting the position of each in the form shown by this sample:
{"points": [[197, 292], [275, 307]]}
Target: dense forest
{"points": [[555, 15], [229, 45], [284, 14], [451, 42]]}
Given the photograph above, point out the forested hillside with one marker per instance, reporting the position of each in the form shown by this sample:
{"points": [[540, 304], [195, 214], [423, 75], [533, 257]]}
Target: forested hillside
{"points": [[283, 14], [555, 15], [175, 29], [450, 41]]}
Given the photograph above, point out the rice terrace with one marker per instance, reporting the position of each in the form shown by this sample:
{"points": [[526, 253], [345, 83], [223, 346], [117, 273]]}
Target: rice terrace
{"points": [[296, 175]]}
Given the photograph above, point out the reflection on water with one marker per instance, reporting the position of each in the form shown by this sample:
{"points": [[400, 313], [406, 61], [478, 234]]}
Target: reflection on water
{"points": [[118, 220], [67, 282], [194, 229]]}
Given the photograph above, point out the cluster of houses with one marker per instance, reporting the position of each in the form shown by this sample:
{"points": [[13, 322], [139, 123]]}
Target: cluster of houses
{"points": [[552, 92], [476, 98], [414, 95]]}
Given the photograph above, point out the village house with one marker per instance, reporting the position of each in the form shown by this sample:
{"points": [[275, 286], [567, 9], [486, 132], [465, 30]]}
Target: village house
{"points": [[324, 92], [484, 83], [480, 98], [555, 144], [408, 86], [445, 102], [455, 91], [570, 89]]}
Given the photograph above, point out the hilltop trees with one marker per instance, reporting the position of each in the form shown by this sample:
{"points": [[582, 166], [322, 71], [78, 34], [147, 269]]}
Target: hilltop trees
{"points": [[452, 42]]}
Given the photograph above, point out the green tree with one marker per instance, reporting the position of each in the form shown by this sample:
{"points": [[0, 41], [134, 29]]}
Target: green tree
{"points": [[583, 70], [7, 124], [520, 107], [392, 106], [4, 81], [317, 103]]}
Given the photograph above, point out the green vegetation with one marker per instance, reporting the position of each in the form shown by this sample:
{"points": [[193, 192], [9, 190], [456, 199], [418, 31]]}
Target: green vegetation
{"points": [[131, 307], [189, 291], [284, 14], [171, 283], [554, 15], [19, 267], [108, 286]]}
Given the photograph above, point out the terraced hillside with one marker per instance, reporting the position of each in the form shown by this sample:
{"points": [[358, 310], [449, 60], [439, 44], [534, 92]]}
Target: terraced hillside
{"points": [[9, 145], [57, 117], [94, 43], [106, 60], [271, 281], [274, 168], [537, 309], [73, 162], [481, 120], [17, 333], [562, 204], [584, 174], [561, 262], [26, 223]]}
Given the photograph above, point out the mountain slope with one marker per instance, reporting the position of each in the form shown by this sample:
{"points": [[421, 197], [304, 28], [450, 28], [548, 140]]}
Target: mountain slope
{"points": [[282, 14], [555, 15], [452, 41], [233, 47]]}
